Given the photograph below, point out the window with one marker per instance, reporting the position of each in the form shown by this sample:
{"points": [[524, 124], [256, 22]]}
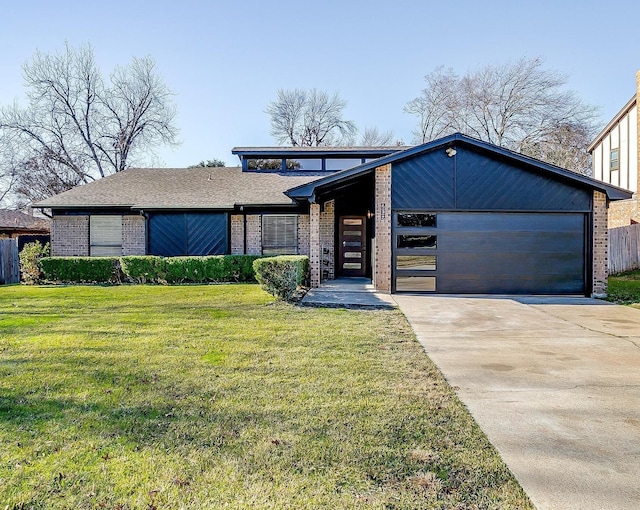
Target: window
{"points": [[417, 241], [279, 234], [105, 235], [416, 262], [614, 159], [416, 220]]}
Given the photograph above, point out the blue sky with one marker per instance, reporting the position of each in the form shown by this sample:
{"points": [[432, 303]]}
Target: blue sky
{"points": [[226, 60]]}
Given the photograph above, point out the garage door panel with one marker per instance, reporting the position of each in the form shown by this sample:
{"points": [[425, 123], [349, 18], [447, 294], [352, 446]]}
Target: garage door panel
{"points": [[542, 284], [489, 222], [510, 242], [509, 264]]}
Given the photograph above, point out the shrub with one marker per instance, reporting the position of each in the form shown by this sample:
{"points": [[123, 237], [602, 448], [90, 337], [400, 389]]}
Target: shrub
{"points": [[80, 269], [143, 268], [281, 276], [30, 261], [184, 269]]}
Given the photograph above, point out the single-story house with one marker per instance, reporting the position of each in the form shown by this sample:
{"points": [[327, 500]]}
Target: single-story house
{"points": [[616, 159], [24, 227], [455, 215]]}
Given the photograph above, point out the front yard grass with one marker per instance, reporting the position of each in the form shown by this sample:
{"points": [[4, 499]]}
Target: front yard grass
{"points": [[194, 397], [624, 288]]}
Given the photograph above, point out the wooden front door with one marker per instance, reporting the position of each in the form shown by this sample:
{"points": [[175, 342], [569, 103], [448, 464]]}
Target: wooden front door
{"points": [[352, 246]]}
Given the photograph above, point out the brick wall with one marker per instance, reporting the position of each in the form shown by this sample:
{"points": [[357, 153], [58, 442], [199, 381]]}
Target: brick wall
{"points": [[254, 234], [134, 240], [70, 236], [382, 260], [314, 244], [600, 244], [303, 234], [621, 212], [237, 234], [327, 241]]}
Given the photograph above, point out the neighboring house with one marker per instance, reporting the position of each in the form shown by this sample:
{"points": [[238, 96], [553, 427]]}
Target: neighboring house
{"points": [[616, 159], [456, 215], [24, 227]]}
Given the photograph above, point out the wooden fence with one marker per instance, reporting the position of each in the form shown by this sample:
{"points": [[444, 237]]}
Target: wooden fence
{"points": [[9, 261], [624, 248]]}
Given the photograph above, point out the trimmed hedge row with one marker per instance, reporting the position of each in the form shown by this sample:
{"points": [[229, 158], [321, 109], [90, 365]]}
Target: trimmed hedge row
{"points": [[281, 276], [150, 269]]}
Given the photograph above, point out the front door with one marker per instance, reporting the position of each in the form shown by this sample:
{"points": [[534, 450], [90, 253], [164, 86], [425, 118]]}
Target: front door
{"points": [[352, 247]]}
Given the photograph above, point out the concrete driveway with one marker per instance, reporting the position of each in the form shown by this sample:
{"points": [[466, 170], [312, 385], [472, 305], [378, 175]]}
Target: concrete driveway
{"points": [[553, 382]]}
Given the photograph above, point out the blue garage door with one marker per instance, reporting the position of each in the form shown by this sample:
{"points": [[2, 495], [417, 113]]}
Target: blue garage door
{"points": [[478, 253], [175, 234]]}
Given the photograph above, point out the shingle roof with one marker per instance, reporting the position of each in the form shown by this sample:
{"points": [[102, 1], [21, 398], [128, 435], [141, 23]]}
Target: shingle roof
{"points": [[182, 188], [16, 220]]}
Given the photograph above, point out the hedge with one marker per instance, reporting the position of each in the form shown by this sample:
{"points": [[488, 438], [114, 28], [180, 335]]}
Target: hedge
{"points": [[282, 276], [150, 269], [80, 269]]}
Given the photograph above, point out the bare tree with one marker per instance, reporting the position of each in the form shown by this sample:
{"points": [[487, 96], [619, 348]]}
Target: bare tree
{"points": [[520, 106], [370, 137], [308, 118], [77, 128], [209, 163]]}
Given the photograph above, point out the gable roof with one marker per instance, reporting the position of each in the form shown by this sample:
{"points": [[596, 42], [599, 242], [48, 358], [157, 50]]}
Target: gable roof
{"points": [[625, 109], [181, 188], [310, 190]]}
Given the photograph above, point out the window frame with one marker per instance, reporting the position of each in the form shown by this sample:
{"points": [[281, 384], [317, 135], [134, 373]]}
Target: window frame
{"points": [[616, 167], [280, 246], [104, 246]]}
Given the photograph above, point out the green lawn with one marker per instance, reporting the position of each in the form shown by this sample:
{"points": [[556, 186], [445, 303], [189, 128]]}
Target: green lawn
{"points": [[624, 288], [193, 397]]}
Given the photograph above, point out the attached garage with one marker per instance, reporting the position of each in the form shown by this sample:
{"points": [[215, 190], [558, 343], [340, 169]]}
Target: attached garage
{"points": [[458, 215]]}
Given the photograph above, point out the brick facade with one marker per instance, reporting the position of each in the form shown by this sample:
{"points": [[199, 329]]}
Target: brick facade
{"points": [[314, 244], [327, 241], [134, 236], [600, 245], [70, 236], [382, 239], [254, 234], [623, 212], [237, 234], [303, 234]]}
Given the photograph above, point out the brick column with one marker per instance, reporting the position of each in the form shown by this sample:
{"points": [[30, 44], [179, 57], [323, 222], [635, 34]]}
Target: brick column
{"points": [[303, 234], [254, 234], [600, 245], [314, 244], [134, 240], [382, 262], [237, 234], [327, 241]]}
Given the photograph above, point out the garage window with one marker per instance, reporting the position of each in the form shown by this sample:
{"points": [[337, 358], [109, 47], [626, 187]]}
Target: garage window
{"points": [[416, 220], [417, 241]]}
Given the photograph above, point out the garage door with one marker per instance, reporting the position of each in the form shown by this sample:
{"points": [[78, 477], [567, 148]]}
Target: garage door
{"points": [[494, 253]]}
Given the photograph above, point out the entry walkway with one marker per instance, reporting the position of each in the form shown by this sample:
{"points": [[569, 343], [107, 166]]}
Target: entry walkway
{"points": [[553, 382], [348, 293]]}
